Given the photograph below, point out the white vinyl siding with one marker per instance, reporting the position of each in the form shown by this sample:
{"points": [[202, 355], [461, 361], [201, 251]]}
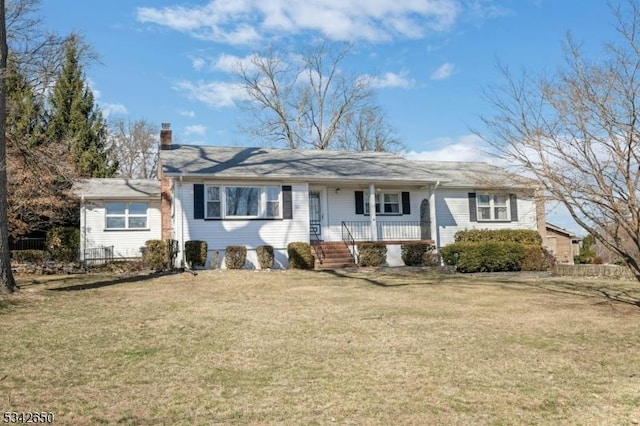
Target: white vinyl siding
{"points": [[248, 232], [126, 242], [452, 214]]}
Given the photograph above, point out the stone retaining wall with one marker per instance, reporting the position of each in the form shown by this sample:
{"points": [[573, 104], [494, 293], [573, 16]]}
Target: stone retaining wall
{"points": [[600, 271]]}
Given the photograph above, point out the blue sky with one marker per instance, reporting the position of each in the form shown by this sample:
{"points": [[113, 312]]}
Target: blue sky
{"points": [[167, 60]]}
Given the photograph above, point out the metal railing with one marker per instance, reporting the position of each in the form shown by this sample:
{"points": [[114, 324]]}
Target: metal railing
{"points": [[28, 244], [317, 247], [348, 239], [98, 255], [387, 230]]}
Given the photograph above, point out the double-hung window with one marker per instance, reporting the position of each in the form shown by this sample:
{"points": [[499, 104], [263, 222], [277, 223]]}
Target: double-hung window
{"points": [[239, 201], [126, 215], [386, 203], [493, 207]]}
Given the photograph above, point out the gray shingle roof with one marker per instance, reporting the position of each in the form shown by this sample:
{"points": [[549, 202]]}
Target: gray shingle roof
{"points": [[117, 188], [476, 175], [264, 163]]}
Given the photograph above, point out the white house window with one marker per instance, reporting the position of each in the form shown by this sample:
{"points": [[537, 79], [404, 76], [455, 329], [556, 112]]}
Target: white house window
{"points": [[126, 215], [272, 201], [242, 201], [390, 203], [493, 207], [239, 201], [213, 202]]}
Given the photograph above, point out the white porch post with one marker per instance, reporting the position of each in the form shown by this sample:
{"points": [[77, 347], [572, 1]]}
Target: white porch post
{"points": [[372, 212]]}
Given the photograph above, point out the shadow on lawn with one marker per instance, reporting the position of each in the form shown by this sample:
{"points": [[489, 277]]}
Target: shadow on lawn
{"points": [[113, 281], [388, 279], [617, 291]]}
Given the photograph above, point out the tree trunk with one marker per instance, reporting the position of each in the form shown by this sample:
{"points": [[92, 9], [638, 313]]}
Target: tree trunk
{"points": [[7, 283]]}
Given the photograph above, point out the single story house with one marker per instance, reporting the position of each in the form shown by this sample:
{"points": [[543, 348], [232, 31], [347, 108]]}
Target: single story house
{"points": [[259, 196], [562, 243]]}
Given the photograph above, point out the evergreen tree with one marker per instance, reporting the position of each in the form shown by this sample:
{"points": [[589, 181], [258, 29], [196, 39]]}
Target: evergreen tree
{"points": [[76, 120]]}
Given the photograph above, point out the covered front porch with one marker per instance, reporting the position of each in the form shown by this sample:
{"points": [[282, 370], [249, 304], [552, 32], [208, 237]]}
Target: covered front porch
{"points": [[401, 213]]}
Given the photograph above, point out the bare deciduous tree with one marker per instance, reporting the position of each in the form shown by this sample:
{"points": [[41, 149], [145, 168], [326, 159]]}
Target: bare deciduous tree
{"points": [[7, 283], [579, 135], [308, 101], [134, 144]]}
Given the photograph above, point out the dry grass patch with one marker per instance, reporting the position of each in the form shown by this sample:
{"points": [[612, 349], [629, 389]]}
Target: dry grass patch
{"points": [[372, 347]]}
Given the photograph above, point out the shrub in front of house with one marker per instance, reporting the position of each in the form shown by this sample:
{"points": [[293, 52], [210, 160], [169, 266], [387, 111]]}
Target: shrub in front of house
{"points": [[155, 255], [265, 256], [522, 236], [235, 257], [300, 255], [536, 258], [63, 243], [431, 259], [30, 256], [413, 253], [484, 257], [195, 253], [372, 254]]}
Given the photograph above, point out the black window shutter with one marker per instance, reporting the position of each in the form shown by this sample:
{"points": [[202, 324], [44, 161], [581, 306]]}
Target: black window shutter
{"points": [[473, 211], [513, 200], [406, 203], [198, 201], [359, 202], [287, 204]]}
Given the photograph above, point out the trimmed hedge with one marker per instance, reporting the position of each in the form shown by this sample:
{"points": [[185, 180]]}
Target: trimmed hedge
{"points": [[413, 253], [156, 254], [63, 243], [300, 255], [484, 257], [265, 256], [195, 253], [372, 254], [235, 257], [523, 236]]}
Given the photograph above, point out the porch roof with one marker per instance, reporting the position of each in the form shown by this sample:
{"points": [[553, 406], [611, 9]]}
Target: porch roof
{"points": [[117, 188], [315, 165]]}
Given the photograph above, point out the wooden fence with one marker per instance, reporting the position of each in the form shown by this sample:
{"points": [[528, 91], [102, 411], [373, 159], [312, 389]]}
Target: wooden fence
{"points": [[599, 271]]}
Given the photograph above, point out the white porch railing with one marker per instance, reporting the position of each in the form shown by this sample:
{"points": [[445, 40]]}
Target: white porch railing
{"points": [[387, 230]]}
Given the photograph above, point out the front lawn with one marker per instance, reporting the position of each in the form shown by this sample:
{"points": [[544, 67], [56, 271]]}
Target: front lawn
{"points": [[300, 347]]}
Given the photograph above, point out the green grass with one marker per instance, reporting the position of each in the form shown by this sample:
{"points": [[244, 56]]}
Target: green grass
{"points": [[298, 347]]}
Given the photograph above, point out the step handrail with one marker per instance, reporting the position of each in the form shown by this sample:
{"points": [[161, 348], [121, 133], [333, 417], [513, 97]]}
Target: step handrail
{"points": [[348, 239]]}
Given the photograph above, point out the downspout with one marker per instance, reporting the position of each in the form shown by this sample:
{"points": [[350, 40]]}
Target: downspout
{"points": [[83, 242], [434, 219], [182, 263]]}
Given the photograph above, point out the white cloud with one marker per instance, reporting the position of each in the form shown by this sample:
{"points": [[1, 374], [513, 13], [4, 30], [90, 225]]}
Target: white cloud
{"points": [[186, 113], [196, 129], [113, 109], [198, 63], [247, 21], [215, 93], [444, 71], [464, 148], [391, 79]]}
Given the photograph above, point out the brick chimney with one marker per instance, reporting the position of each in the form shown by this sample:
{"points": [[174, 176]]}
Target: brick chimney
{"points": [[165, 186]]}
